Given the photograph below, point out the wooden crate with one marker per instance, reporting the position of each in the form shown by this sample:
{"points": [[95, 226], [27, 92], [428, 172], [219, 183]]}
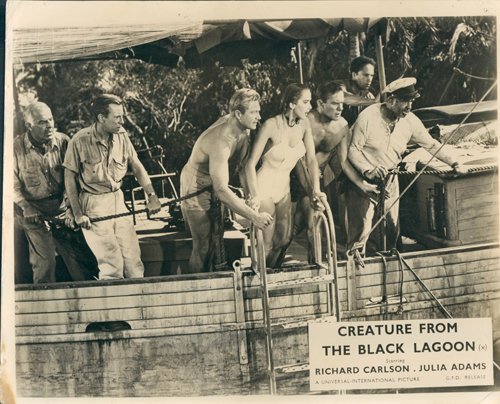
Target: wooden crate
{"points": [[470, 210], [168, 253]]}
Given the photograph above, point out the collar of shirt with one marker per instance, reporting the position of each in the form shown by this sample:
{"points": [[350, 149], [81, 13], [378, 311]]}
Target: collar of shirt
{"points": [[95, 139], [47, 147]]}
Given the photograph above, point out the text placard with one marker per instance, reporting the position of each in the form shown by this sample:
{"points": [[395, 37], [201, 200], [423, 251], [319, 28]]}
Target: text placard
{"points": [[401, 354]]}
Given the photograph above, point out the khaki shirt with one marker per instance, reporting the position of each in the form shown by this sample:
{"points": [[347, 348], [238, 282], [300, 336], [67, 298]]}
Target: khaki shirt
{"points": [[39, 176], [100, 165]]}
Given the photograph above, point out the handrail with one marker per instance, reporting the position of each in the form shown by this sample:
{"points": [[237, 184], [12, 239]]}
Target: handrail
{"points": [[258, 254], [333, 255], [258, 257]]}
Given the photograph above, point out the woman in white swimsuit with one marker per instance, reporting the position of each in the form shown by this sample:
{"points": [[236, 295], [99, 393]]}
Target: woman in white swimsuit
{"points": [[281, 142]]}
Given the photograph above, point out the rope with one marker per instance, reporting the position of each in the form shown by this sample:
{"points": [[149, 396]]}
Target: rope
{"points": [[472, 76], [124, 214], [443, 309], [403, 261], [401, 283], [169, 203], [419, 173], [384, 284], [379, 212], [442, 172]]}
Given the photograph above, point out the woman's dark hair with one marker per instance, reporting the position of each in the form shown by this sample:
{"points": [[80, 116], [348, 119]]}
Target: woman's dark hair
{"points": [[292, 93]]}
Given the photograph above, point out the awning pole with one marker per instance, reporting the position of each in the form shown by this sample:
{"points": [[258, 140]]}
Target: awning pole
{"points": [[299, 50], [380, 63]]}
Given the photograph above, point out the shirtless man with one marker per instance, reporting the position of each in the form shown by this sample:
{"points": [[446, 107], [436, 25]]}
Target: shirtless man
{"points": [[208, 165], [331, 139]]}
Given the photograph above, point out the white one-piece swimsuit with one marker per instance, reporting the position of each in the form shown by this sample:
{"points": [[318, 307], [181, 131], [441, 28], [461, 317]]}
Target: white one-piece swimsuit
{"points": [[273, 177]]}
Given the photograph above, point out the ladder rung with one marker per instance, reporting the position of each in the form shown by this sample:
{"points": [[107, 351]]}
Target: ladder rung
{"points": [[298, 367], [299, 282], [303, 322]]}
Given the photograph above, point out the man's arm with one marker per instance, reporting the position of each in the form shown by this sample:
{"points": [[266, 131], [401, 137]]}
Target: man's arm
{"points": [[263, 135], [153, 204], [30, 213], [70, 183], [219, 172], [356, 156], [311, 162], [349, 170], [359, 101], [421, 137]]}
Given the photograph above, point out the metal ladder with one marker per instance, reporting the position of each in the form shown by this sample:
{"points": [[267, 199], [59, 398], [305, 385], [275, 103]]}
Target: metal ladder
{"points": [[322, 220]]}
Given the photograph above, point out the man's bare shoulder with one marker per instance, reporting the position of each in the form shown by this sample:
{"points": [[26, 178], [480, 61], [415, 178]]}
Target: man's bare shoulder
{"points": [[217, 138], [340, 125]]}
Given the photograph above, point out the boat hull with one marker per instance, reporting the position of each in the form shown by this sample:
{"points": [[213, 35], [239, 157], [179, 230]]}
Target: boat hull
{"points": [[203, 334]]}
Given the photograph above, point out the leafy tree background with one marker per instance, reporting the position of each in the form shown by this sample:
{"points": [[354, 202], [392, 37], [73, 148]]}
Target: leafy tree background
{"points": [[171, 107]]}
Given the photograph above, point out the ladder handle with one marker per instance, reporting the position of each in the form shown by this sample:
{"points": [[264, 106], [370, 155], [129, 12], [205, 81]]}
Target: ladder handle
{"points": [[259, 261], [322, 220], [333, 239]]}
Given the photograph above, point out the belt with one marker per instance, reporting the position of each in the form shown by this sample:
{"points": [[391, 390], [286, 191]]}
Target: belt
{"points": [[101, 193], [47, 198]]}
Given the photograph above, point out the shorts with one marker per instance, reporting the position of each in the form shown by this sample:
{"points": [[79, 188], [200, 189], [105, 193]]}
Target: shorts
{"points": [[192, 180]]}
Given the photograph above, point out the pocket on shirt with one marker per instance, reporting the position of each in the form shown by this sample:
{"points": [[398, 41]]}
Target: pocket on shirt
{"points": [[93, 171], [32, 178], [118, 168]]}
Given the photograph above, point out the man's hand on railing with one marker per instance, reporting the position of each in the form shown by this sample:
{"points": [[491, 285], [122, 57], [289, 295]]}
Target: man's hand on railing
{"points": [[262, 220], [253, 203]]}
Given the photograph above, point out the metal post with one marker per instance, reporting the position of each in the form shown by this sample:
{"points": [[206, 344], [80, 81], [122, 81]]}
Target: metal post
{"points": [[299, 51], [380, 63]]}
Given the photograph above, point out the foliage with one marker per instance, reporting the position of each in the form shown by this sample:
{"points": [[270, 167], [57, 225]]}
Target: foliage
{"points": [[172, 107]]}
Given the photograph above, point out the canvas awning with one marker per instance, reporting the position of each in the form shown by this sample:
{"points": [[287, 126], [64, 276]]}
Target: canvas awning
{"points": [[160, 37]]}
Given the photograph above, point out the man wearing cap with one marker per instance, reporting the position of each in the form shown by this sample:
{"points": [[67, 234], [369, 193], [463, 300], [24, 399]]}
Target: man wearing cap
{"points": [[357, 91], [379, 138]]}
